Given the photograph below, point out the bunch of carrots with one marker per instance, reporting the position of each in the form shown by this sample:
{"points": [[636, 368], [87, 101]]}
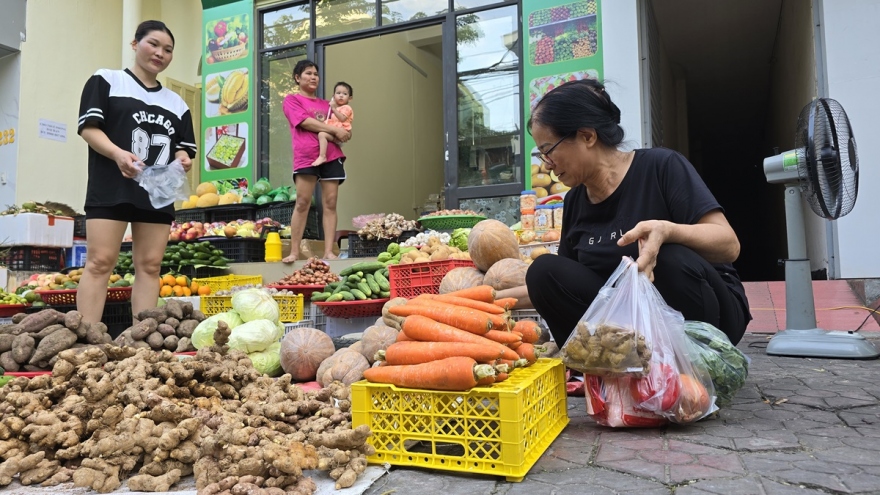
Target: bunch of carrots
{"points": [[456, 341]]}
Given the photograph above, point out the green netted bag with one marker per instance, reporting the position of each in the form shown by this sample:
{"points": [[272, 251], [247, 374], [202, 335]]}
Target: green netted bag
{"points": [[727, 365]]}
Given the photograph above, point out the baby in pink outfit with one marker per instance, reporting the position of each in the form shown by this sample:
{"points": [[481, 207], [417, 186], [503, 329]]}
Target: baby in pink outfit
{"points": [[341, 115]]}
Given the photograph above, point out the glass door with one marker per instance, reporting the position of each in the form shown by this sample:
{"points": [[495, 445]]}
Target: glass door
{"points": [[276, 152], [483, 152]]}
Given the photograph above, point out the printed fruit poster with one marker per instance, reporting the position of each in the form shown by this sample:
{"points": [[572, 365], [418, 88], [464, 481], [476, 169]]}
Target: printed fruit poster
{"points": [[227, 133], [563, 44]]}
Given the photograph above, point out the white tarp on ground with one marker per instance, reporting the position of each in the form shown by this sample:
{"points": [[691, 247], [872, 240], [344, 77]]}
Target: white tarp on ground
{"points": [[187, 486]]}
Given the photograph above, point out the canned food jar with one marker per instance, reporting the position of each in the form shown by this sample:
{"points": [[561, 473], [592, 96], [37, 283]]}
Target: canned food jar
{"points": [[557, 217], [544, 217], [528, 200], [527, 219]]}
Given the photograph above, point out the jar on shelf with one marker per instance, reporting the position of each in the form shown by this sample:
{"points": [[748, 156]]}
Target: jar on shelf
{"points": [[527, 219], [557, 216], [544, 217], [528, 200]]}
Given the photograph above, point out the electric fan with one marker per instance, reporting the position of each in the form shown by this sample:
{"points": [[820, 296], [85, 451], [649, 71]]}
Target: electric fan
{"points": [[824, 167]]}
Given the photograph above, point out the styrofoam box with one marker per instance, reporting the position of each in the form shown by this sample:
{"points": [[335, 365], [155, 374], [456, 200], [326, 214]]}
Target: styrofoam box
{"points": [[36, 229]]}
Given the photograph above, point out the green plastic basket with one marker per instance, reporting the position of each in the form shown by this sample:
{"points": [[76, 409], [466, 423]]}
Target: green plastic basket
{"points": [[450, 222]]}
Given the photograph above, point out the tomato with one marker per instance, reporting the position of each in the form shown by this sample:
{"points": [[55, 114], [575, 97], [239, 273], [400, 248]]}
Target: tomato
{"points": [[661, 384], [695, 401]]}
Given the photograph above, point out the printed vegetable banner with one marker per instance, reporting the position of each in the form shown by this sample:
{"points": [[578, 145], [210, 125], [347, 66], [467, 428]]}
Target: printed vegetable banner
{"points": [[228, 133], [563, 44]]}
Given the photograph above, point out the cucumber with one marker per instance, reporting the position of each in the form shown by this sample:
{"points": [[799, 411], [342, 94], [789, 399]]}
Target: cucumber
{"points": [[346, 272], [365, 288], [384, 284], [339, 288], [320, 296], [367, 266], [385, 294], [347, 295], [335, 297], [358, 294], [371, 281], [354, 277]]}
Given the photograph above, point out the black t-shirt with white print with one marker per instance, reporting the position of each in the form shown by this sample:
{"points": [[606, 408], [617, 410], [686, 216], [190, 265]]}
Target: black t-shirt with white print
{"points": [[153, 123], [659, 185]]}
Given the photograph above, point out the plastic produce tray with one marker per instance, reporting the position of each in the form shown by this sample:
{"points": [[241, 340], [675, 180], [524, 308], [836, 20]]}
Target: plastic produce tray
{"points": [[33, 259], [230, 213], [191, 215], [239, 249], [450, 222], [358, 247], [202, 271], [68, 296], [290, 306], [499, 430], [229, 281], [7, 310], [415, 279], [283, 211], [352, 309], [305, 290]]}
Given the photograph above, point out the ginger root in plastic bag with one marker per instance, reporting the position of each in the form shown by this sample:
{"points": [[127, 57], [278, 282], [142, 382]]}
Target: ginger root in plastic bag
{"points": [[165, 184]]}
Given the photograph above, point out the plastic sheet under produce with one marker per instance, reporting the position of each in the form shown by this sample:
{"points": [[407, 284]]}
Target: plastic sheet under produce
{"points": [[164, 183]]}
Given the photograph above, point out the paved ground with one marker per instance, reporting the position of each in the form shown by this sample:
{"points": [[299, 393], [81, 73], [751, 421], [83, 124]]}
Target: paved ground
{"points": [[799, 426]]}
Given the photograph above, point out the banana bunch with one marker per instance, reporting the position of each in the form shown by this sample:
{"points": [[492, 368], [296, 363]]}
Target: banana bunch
{"points": [[234, 94]]}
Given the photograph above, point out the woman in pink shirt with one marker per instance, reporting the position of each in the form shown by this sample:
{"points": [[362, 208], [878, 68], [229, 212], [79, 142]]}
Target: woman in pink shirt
{"points": [[307, 115]]}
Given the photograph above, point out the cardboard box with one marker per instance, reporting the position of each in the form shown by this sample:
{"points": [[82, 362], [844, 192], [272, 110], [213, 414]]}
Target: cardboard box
{"points": [[36, 229]]}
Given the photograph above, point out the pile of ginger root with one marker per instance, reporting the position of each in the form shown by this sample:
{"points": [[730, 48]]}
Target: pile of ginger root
{"points": [[109, 414]]}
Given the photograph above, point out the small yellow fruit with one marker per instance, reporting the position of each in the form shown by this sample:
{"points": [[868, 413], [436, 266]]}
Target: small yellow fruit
{"points": [[205, 188], [207, 200], [540, 192]]}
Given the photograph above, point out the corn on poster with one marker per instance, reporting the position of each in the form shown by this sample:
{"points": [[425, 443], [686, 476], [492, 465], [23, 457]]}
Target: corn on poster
{"points": [[564, 43], [227, 132]]}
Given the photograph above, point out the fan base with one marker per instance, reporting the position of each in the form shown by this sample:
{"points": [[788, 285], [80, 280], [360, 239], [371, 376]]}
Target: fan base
{"points": [[822, 343]]}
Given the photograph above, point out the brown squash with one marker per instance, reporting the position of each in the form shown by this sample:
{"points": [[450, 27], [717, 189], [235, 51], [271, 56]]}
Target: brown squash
{"points": [[460, 278], [490, 241], [346, 366], [302, 352], [507, 274], [376, 338]]}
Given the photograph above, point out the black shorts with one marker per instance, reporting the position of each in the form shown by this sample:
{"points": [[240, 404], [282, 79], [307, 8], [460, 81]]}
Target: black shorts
{"points": [[332, 170], [127, 212]]}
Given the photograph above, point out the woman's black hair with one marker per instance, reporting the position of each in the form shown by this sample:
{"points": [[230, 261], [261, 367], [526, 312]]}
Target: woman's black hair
{"points": [[148, 27], [347, 86], [301, 67], [577, 105]]}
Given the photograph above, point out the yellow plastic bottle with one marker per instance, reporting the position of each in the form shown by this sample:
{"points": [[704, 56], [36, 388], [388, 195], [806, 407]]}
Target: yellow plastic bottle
{"points": [[273, 244]]}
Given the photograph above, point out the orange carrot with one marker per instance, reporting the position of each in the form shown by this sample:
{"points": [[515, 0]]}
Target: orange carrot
{"points": [[506, 302], [483, 293], [529, 329], [500, 377], [511, 363], [503, 337], [488, 380], [423, 352], [514, 345], [402, 337], [418, 327], [455, 374], [467, 303], [467, 319], [499, 321], [530, 352]]}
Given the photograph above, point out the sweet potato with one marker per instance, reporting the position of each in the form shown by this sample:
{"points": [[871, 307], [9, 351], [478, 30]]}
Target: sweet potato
{"points": [[7, 362], [18, 317], [171, 342], [47, 331], [198, 316], [23, 347], [186, 328], [56, 342], [184, 345], [96, 333], [158, 314], [187, 308], [35, 322], [6, 342], [72, 319], [10, 329], [143, 328], [165, 329], [156, 340], [174, 309]]}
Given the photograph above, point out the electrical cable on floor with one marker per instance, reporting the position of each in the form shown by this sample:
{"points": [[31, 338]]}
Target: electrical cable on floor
{"points": [[866, 318]]}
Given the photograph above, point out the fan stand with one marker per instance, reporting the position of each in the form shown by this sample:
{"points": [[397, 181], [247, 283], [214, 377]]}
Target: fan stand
{"points": [[801, 336]]}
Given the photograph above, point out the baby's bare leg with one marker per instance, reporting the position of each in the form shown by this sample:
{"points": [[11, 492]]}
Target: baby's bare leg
{"points": [[323, 138]]}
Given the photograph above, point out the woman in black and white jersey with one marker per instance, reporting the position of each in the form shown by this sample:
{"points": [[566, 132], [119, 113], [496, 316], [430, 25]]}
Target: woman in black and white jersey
{"points": [[130, 122]]}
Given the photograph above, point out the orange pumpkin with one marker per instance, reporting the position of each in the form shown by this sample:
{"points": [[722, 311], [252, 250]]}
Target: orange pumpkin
{"points": [[346, 366], [302, 352], [491, 241]]}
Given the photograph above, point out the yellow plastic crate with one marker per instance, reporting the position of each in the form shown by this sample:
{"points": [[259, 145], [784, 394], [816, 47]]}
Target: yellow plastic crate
{"points": [[499, 430], [290, 306], [227, 282]]}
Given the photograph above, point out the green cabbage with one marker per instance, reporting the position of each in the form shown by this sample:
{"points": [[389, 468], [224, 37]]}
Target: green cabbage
{"points": [[459, 238], [203, 335], [255, 304], [268, 362], [253, 336], [261, 187]]}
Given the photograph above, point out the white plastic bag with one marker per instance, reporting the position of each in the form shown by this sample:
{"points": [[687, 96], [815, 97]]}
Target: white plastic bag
{"points": [[164, 183]]}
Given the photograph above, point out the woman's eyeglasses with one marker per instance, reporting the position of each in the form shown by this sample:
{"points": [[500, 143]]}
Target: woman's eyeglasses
{"points": [[545, 155]]}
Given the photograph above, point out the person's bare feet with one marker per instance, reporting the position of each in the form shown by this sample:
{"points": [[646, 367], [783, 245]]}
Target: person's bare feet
{"points": [[319, 161], [330, 256], [290, 259]]}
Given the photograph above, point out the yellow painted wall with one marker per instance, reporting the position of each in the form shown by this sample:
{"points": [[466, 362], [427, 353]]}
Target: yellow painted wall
{"points": [[395, 157], [66, 43]]}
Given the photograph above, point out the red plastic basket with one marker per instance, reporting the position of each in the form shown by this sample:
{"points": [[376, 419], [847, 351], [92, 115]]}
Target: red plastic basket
{"points": [[305, 290], [27, 374], [68, 297], [352, 309], [7, 310], [415, 279]]}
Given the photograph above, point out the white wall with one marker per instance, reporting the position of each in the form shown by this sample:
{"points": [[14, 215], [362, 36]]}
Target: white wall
{"points": [[10, 75], [620, 40], [853, 69]]}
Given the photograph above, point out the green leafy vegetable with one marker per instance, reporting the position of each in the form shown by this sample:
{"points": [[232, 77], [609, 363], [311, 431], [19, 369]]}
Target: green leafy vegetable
{"points": [[268, 361], [459, 238], [203, 335], [727, 365]]}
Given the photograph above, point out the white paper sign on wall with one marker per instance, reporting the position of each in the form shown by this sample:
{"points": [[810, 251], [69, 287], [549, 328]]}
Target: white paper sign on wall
{"points": [[55, 131]]}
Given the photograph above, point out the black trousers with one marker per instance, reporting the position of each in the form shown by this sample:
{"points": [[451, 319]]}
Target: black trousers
{"points": [[562, 289]]}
